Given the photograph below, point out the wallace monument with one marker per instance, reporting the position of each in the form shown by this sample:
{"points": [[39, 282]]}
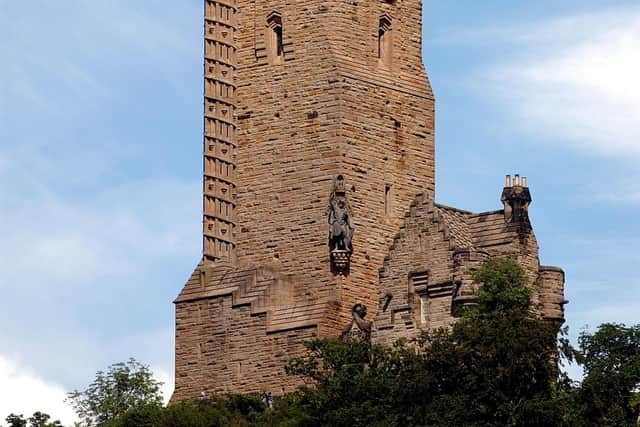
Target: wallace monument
{"points": [[319, 204]]}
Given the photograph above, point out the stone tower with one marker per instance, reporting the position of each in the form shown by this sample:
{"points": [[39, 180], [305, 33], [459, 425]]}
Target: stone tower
{"points": [[306, 102], [319, 193]]}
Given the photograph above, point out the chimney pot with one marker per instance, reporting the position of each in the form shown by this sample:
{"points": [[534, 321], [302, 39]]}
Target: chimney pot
{"points": [[524, 181], [508, 182], [516, 180]]}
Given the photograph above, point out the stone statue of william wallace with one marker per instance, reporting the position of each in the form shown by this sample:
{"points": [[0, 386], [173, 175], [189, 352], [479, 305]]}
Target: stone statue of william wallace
{"points": [[341, 230]]}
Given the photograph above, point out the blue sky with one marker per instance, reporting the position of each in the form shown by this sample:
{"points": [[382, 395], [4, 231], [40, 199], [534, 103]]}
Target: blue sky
{"points": [[100, 165]]}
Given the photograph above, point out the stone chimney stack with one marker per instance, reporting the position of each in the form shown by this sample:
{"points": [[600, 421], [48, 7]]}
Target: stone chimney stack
{"points": [[516, 199]]}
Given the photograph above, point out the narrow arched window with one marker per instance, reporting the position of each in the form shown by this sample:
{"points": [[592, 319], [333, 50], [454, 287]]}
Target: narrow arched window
{"points": [[279, 43], [384, 41], [275, 38], [387, 200]]}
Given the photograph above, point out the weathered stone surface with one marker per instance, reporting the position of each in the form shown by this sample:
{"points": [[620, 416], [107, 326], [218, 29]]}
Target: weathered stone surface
{"points": [[429, 270], [359, 328], [297, 93]]}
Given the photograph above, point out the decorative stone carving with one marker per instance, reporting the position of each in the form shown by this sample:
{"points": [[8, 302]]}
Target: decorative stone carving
{"points": [[340, 228], [340, 261], [359, 328], [385, 300]]}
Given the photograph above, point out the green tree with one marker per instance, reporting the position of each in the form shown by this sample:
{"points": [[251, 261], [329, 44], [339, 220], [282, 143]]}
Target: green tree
{"points": [[611, 360], [357, 384], [193, 414], [231, 411], [16, 420], [146, 415], [493, 367], [38, 419], [122, 387]]}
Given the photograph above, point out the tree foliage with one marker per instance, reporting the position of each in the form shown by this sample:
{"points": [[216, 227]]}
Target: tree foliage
{"points": [[355, 384], [495, 366], [230, 411], [608, 395], [122, 387], [38, 419]]}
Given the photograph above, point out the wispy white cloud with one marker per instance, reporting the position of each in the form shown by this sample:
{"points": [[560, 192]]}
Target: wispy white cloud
{"points": [[23, 393], [61, 55], [602, 283], [607, 300], [554, 32], [570, 81], [87, 227], [70, 239], [625, 192], [168, 383], [625, 312], [78, 270]]}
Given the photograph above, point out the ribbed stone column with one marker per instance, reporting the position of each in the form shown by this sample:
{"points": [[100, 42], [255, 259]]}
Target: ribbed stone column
{"points": [[219, 222]]}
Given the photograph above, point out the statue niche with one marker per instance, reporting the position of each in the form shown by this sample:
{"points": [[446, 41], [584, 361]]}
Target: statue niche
{"points": [[340, 228]]}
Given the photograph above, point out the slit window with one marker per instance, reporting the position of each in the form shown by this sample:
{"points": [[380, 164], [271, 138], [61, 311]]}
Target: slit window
{"points": [[279, 43], [424, 309], [419, 296], [275, 38], [384, 41], [387, 200]]}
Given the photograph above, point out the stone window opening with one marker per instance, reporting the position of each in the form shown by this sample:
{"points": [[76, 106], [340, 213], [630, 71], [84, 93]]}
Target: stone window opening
{"points": [[424, 309], [279, 43], [275, 38], [384, 41], [419, 296], [387, 199]]}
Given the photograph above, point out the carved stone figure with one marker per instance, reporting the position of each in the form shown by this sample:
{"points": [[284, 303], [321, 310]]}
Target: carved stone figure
{"points": [[341, 230], [359, 328]]}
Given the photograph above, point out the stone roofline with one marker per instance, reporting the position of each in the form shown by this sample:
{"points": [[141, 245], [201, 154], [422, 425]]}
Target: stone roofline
{"points": [[497, 211], [462, 211], [551, 268], [466, 212]]}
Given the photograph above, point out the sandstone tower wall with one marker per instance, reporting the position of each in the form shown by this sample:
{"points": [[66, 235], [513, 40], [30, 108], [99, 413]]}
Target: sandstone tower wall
{"points": [[327, 105], [298, 92], [316, 110]]}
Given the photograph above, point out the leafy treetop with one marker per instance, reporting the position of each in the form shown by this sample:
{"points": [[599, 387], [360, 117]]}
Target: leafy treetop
{"points": [[122, 387]]}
